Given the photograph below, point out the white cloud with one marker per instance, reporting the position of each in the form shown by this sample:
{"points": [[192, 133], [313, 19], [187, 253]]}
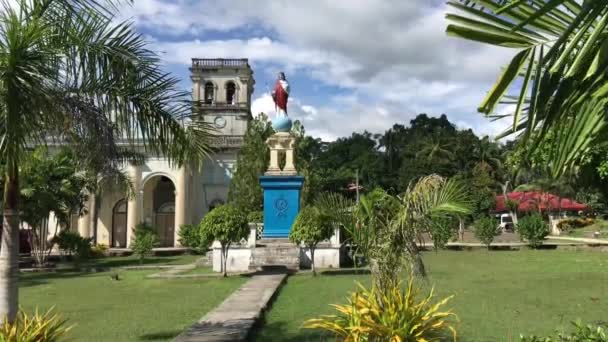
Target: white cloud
{"points": [[392, 58]]}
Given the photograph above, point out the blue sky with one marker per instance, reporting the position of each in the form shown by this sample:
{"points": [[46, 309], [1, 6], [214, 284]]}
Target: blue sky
{"points": [[353, 65]]}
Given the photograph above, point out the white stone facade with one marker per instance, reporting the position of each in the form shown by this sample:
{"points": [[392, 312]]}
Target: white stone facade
{"points": [[168, 197]]}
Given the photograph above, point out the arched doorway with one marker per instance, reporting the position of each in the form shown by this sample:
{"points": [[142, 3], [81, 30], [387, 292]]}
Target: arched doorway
{"points": [[165, 223], [159, 208], [119, 224]]}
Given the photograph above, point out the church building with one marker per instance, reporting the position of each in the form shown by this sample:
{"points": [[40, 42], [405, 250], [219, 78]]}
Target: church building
{"points": [[168, 197]]}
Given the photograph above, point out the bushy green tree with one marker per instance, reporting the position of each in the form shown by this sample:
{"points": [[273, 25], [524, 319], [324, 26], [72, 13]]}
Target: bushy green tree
{"points": [[245, 191], [483, 189], [310, 228], [255, 216], [49, 183], [442, 230], [146, 238], [485, 229], [226, 224], [533, 229], [189, 236]]}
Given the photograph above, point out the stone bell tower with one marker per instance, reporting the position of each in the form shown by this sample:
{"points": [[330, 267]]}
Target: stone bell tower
{"points": [[221, 91]]}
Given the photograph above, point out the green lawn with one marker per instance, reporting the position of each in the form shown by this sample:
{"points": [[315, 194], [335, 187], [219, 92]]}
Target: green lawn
{"points": [[498, 295], [201, 270], [133, 260], [130, 309]]}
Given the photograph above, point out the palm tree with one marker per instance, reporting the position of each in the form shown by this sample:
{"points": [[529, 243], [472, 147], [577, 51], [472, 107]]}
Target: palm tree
{"points": [[386, 228], [436, 149], [558, 71], [67, 69], [487, 152]]}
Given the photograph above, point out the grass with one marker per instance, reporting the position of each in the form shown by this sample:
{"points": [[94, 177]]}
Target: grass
{"points": [[133, 260], [201, 270], [498, 295], [130, 309]]}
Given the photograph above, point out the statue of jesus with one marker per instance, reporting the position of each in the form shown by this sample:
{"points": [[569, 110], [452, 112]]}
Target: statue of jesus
{"points": [[280, 94]]}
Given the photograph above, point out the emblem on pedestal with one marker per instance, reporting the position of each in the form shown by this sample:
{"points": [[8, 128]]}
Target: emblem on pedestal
{"points": [[281, 205]]}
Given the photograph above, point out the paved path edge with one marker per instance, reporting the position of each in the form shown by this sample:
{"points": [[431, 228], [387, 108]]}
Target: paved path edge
{"points": [[238, 316]]}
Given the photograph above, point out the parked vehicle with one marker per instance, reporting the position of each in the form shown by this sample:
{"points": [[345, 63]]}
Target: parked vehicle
{"points": [[506, 223]]}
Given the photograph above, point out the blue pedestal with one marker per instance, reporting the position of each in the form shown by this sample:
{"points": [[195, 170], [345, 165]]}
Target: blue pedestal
{"points": [[281, 204]]}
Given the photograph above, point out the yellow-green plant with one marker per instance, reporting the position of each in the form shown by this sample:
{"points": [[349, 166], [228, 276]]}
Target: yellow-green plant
{"points": [[395, 315], [46, 327]]}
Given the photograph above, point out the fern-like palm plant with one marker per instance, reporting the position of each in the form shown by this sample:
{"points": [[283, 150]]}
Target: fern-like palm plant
{"points": [[45, 327], [396, 315]]}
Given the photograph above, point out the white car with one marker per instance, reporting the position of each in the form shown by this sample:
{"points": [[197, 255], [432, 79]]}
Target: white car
{"points": [[506, 223]]}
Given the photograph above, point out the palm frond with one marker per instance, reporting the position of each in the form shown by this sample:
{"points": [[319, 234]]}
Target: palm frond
{"points": [[567, 82]]}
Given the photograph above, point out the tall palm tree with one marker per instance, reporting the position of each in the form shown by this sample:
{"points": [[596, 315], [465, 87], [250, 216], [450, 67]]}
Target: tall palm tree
{"points": [[558, 73], [66, 68]]}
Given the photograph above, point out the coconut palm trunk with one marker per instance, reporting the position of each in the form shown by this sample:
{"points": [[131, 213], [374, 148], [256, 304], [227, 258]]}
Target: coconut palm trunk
{"points": [[9, 247]]}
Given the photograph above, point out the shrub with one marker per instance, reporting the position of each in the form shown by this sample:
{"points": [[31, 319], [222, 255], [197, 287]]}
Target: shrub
{"points": [[441, 232], [575, 223], [227, 225], [67, 241], [71, 243], [145, 240], [581, 333], [83, 248], [311, 227], [398, 315], [533, 229], [189, 236], [99, 250], [47, 327], [255, 216], [485, 229]]}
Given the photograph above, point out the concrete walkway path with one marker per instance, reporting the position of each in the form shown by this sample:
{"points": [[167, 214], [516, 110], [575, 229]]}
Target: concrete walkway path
{"points": [[234, 319], [577, 239]]}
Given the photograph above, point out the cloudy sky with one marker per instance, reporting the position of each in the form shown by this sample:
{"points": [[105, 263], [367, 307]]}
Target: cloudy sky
{"points": [[353, 65]]}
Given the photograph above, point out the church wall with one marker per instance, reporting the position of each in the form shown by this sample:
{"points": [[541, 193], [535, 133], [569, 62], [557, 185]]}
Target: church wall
{"points": [[104, 221]]}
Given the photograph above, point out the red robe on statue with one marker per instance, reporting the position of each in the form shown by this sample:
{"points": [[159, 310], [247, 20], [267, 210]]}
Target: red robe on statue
{"points": [[281, 94]]}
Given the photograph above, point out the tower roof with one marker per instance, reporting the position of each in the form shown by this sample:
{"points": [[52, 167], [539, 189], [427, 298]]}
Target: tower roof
{"points": [[215, 63]]}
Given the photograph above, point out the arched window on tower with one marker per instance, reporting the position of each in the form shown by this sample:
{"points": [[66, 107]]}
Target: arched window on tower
{"points": [[208, 97], [230, 93]]}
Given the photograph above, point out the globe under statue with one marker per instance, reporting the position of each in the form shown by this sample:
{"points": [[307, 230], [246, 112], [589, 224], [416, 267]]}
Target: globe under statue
{"points": [[280, 95]]}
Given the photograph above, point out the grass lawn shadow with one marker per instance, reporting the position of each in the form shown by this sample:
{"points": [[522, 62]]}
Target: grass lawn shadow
{"points": [[42, 278], [350, 271], [280, 331], [160, 336]]}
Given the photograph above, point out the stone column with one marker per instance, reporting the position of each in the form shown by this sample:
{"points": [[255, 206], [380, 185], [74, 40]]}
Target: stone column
{"points": [[134, 206], [289, 166], [84, 221], [181, 202], [274, 160]]}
